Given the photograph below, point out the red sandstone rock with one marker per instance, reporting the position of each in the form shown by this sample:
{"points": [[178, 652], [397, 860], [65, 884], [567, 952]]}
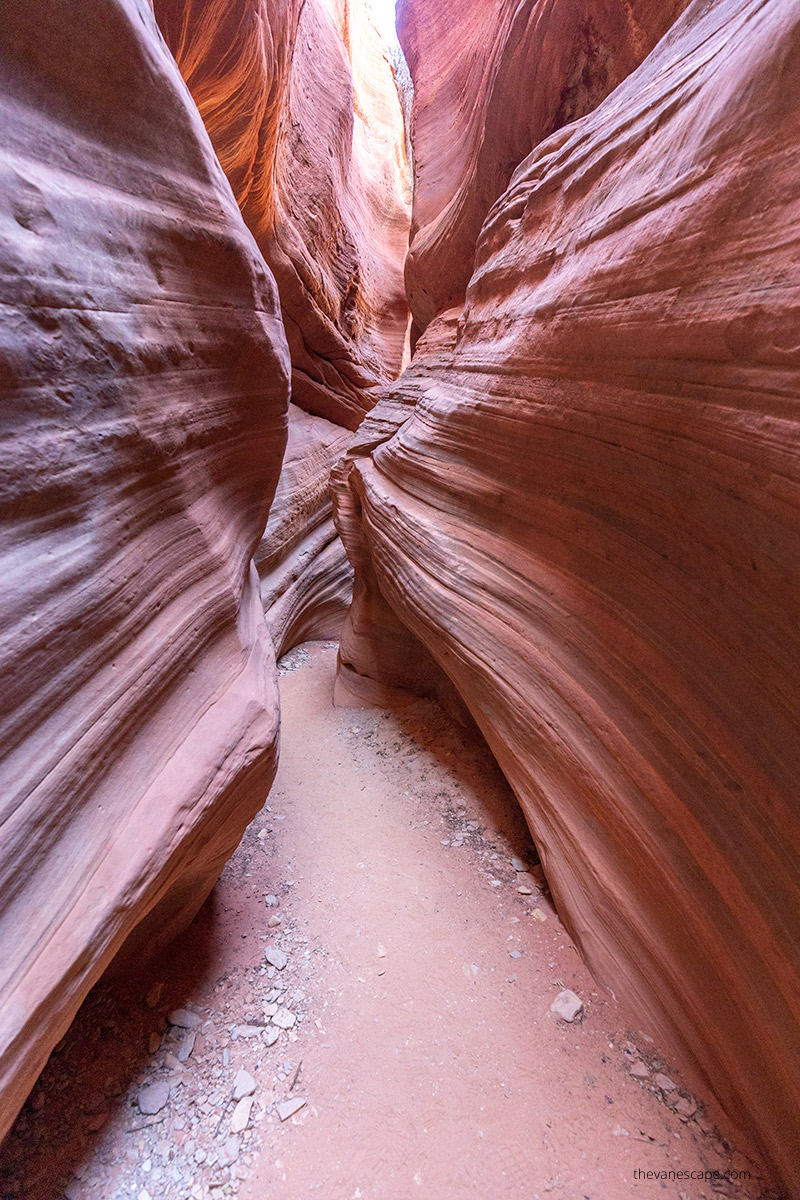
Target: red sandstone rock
{"points": [[144, 373], [306, 578], [591, 522], [303, 111], [323, 188], [380, 659], [488, 87]]}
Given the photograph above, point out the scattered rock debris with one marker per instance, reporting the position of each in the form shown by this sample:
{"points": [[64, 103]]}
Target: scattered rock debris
{"points": [[180, 1087]]}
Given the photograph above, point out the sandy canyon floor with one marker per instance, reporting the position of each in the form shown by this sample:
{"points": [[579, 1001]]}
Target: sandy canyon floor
{"points": [[401, 1044]]}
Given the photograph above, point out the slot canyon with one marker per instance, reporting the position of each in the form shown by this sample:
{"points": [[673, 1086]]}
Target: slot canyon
{"points": [[400, 599]]}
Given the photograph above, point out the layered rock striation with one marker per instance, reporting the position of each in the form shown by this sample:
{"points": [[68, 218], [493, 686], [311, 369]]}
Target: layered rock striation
{"points": [[488, 87], [302, 108], [145, 380], [583, 501], [306, 578]]}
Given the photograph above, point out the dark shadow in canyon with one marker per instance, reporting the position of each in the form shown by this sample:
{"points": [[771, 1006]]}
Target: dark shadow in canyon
{"points": [[462, 747], [104, 1051]]}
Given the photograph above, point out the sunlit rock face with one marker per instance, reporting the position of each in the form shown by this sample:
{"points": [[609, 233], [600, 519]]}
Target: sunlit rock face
{"points": [[585, 508], [488, 87], [145, 379], [303, 111]]}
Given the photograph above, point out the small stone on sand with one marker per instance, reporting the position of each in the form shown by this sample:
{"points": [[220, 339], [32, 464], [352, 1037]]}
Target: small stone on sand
{"points": [[284, 1019], [185, 1019], [154, 994], [152, 1098], [241, 1115], [276, 957], [187, 1045], [229, 1152], [243, 1085], [289, 1107], [567, 1005]]}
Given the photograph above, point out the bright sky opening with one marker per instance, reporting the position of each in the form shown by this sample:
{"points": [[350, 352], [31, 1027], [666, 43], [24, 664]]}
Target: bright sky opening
{"points": [[383, 12]]}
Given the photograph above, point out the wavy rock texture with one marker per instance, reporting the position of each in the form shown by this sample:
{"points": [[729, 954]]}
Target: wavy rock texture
{"points": [[488, 87], [306, 578], [145, 376], [304, 114], [381, 662], [592, 522]]}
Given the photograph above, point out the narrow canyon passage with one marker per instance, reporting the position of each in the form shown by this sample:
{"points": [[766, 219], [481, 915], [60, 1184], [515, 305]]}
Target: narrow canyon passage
{"points": [[444, 352], [418, 979]]}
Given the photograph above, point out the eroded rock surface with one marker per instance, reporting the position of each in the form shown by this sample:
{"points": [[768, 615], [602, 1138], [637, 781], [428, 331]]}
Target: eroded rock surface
{"points": [[306, 578], [380, 659], [145, 385], [303, 111], [488, 86], [589, 519]]}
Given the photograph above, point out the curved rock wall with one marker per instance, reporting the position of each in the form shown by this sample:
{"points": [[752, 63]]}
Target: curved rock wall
{"points": [[487, 88], [302, 108], [590, 518], [306, 577], [381, 662], [145, 377]]}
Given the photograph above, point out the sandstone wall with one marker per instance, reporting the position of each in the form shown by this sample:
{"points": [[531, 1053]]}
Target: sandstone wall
{"points": [[145, 375], [302, 109], [488, 86], [305, 575], [589, 517]]}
